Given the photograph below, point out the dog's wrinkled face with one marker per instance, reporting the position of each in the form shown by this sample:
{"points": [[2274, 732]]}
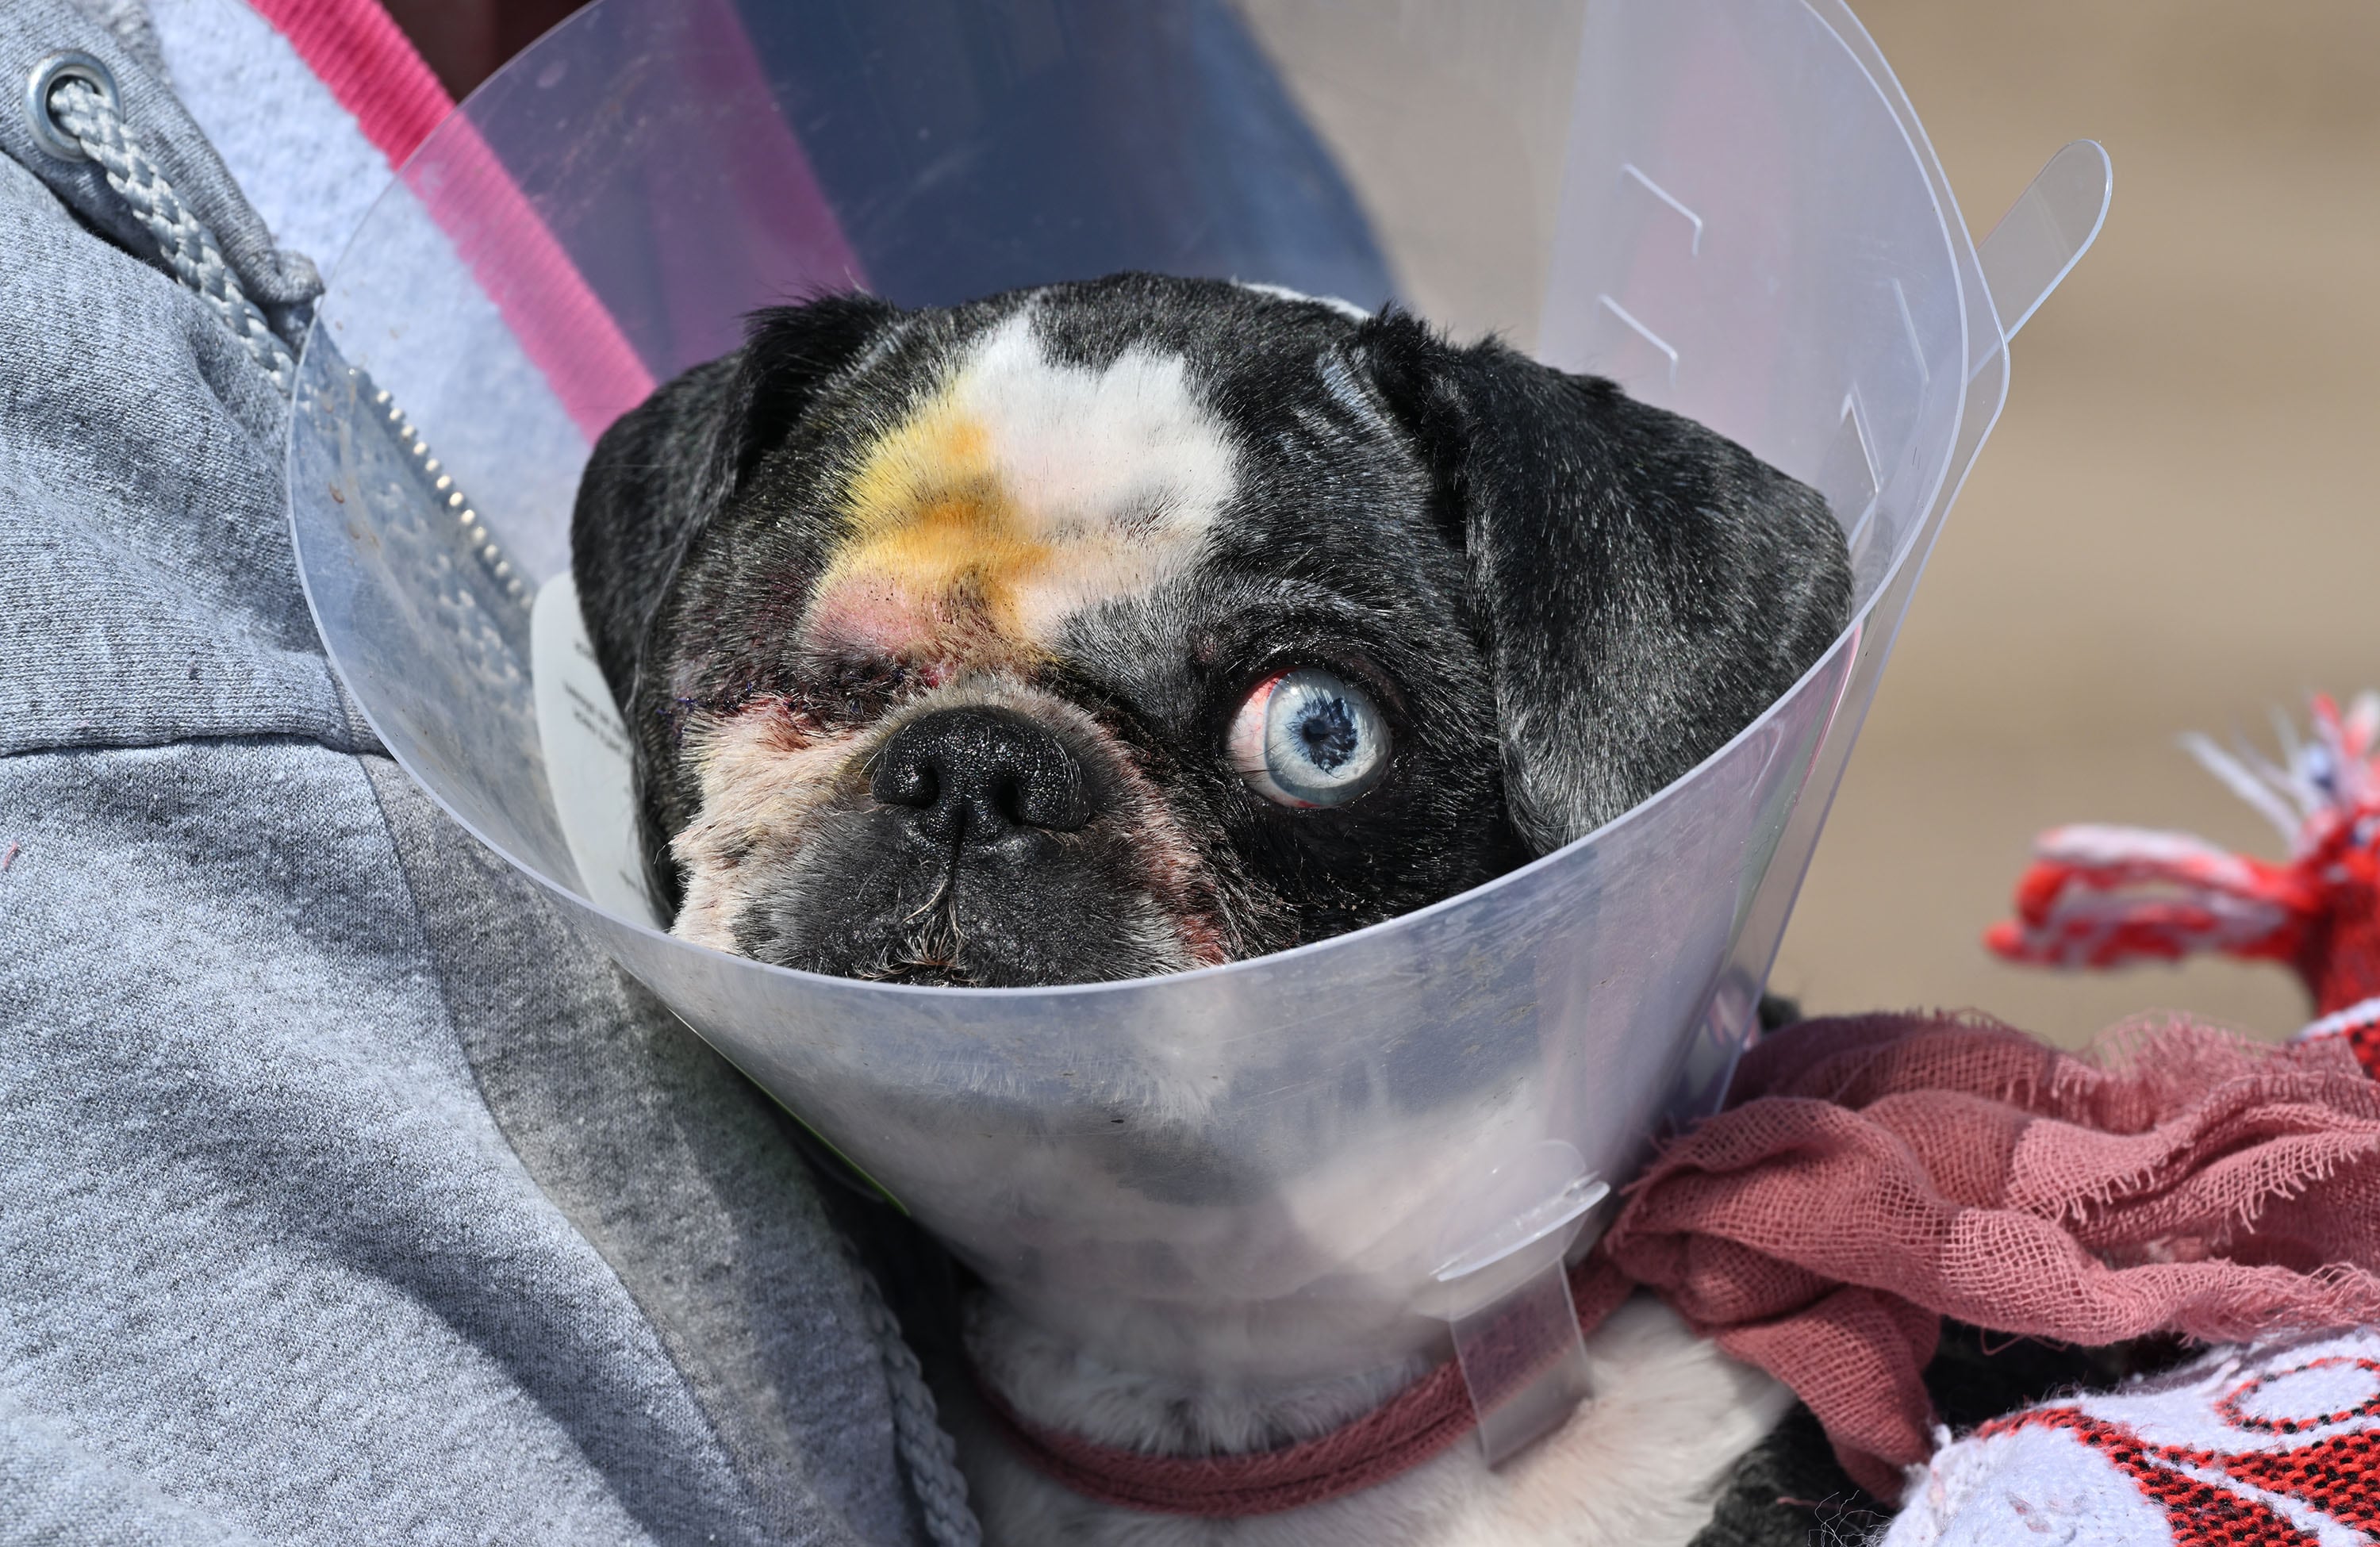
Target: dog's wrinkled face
{"points": [[1121, 628]]}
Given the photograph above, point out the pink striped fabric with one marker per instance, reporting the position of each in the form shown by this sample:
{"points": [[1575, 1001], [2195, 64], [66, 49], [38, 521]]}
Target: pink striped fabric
{"points": [[357, 52]]}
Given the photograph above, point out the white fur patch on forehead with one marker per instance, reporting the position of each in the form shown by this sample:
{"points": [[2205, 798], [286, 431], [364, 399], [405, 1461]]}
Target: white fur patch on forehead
{"points": [[1129, 446], [1023, 489]]}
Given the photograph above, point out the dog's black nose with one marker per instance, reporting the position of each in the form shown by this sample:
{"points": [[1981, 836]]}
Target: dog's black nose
{"points": [[978, 774]]}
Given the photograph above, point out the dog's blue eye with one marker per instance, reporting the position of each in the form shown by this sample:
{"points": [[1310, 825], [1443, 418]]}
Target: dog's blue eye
{"points": [[1309, 738]]}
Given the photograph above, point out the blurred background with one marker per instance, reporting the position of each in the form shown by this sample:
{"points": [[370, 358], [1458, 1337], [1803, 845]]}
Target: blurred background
{"points": [[2172, 527]]}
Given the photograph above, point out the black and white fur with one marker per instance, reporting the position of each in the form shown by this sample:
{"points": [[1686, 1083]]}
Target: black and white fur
{"points": [[930, 626]]}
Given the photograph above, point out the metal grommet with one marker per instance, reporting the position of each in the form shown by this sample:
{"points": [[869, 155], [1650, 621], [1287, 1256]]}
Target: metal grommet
{"points": [[68, 64]]}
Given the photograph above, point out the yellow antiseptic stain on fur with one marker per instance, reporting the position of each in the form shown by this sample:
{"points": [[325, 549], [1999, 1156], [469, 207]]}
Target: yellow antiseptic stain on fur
{"points": [[931, 521], [1022, 492]]}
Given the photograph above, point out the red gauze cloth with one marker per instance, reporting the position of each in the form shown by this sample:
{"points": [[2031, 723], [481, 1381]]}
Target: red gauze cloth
{"points": [[1873, 1175]]}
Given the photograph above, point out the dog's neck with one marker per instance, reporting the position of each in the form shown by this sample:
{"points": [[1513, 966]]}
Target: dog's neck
{"points": [[1638, 1462], [1054, 1382], [1242, 1342]]}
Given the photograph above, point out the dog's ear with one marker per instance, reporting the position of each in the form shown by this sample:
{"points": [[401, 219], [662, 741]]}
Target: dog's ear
{"points": [[661, 473], [1646, 586]]}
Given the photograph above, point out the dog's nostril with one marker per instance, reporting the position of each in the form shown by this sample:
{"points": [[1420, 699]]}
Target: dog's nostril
{"points": [[1008, 799], [906, 783], [975, 773]]}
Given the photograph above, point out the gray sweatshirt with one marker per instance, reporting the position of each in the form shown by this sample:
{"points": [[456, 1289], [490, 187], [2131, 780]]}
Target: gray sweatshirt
{"points": [[345, 1195]]}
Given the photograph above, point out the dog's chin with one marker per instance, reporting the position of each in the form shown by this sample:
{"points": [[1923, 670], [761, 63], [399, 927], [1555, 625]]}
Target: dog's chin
{"points": [[919, 974], [865, 897], [973, 970], [976, 952]]}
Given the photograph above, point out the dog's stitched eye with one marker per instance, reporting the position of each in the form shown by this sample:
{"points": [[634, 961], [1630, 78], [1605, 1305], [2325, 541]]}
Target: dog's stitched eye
{"points": [[854, 692], [1309, 738]]}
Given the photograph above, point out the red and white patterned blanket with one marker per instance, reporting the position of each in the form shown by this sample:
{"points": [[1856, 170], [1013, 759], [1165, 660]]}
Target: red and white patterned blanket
{"points": [[2272, 1447]]}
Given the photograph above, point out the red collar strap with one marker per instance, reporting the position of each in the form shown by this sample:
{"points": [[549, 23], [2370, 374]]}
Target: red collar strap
{"points": [[1416, 1425]]}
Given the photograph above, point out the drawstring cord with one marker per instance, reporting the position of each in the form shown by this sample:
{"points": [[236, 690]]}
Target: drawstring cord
{"points": [[78, 118], [76, 114], [928, 1454]]}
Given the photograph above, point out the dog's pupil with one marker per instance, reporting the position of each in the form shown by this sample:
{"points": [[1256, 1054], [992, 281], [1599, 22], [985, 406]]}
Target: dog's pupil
{"points": [[1327, 732]]}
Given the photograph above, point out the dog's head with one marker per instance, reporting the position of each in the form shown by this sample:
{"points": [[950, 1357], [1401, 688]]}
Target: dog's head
{"points": [[1119, 628]]}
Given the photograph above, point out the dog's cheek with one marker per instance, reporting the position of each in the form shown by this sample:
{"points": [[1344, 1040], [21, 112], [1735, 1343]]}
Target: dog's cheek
{"points": [[832, 901], [1176, 848], [763, 788], [1168, 865], [1252, 917]]}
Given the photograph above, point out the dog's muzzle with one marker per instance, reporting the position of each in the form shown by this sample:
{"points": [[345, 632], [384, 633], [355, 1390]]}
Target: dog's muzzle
{"points": [[979, 843]]}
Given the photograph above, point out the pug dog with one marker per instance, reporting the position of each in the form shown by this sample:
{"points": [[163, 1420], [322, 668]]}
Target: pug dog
{"points": [[1126, 627]]}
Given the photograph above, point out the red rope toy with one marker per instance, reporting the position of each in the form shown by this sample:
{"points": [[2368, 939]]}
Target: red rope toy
{"points": [[2103, 896]]}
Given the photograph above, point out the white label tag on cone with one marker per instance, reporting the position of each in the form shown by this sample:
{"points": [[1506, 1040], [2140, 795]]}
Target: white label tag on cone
{"points": [[586, 761]]}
